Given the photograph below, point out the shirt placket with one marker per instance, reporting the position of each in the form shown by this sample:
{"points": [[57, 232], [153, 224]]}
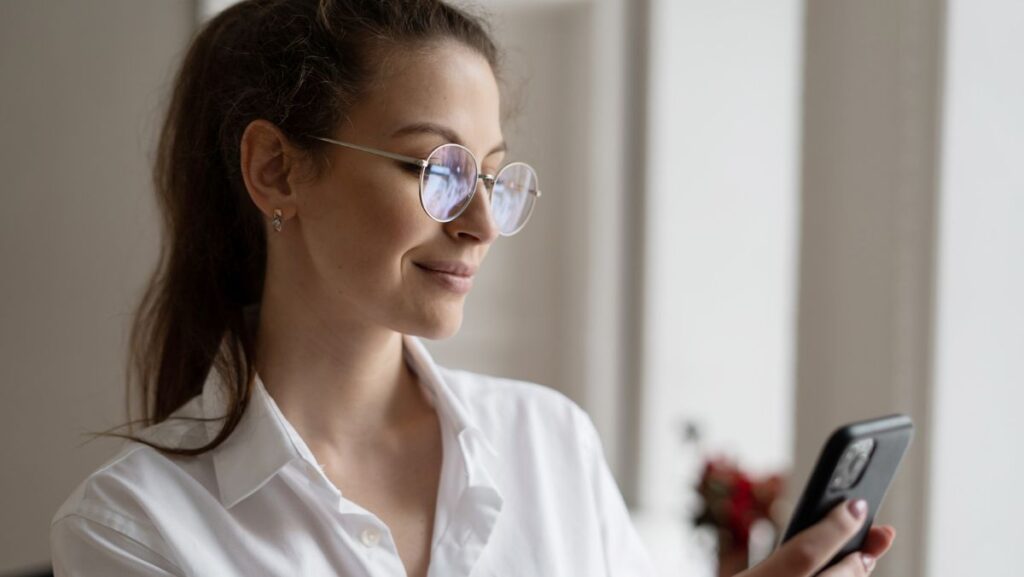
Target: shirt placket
{"points": [[472, 519], [369, 538]]}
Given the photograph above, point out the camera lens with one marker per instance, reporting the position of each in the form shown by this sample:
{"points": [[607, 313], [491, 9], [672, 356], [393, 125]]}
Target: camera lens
{"points": [[858, 464]]}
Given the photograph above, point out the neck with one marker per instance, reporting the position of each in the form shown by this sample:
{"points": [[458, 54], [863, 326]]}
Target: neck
{"points": [[336, 381]]}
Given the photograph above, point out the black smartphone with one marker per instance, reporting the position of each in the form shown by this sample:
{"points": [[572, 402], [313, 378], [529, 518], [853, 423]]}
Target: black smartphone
{"points": [[858, 461]]}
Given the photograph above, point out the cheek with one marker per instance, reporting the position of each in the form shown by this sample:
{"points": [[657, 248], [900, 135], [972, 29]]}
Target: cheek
{"points": [[368, 227]]}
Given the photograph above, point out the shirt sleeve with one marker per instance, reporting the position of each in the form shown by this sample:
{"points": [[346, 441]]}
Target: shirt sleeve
{"points": [[625, 553], [82, 547]]}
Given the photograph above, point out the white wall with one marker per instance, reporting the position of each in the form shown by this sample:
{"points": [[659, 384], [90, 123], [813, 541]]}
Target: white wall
{"points": [[721, 234], [83, 84], [976, 505]]}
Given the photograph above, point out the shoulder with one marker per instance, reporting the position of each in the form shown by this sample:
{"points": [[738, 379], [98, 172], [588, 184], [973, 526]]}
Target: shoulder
{"points": [[116, 519], [105, 524], [119, 492]]}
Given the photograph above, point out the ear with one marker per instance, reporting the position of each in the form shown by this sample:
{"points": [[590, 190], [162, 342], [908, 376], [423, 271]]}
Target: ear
{"points": [[267, 159]]}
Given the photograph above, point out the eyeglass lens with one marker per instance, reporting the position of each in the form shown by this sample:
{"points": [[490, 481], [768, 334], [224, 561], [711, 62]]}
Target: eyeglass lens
{"points": [[450, 178], [511, 200], [447, 182]]}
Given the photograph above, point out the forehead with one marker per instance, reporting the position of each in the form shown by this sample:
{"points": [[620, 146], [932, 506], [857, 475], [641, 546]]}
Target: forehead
{"points": [[442, 83]]}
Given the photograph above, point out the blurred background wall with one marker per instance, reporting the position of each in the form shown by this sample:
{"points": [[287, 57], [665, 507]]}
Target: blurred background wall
{"points": [[719, 250], [978, 383], [763, 220], [81, 87]]}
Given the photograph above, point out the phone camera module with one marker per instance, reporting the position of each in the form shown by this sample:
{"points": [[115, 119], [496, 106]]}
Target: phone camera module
{"points": [[852, 464]]}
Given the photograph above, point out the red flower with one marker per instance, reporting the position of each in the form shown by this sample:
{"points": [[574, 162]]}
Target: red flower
{"points": [[733, 501]]}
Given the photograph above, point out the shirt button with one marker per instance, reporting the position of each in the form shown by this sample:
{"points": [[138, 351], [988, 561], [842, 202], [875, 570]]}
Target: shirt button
{"points": [[370, 537]]}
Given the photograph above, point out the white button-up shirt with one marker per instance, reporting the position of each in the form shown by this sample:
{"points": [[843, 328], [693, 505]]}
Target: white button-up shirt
{"points": [[524, 491]]}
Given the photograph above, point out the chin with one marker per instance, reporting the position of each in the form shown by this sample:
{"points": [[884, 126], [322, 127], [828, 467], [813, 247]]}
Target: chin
{"points": [[440, 327]]}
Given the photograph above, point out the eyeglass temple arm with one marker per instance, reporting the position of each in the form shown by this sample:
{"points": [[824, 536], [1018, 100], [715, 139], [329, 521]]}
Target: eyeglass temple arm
{"points": [[400, 157], [488, 178]]}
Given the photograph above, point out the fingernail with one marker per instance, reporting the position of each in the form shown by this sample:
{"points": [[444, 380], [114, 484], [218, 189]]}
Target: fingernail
{"points": [[859, 508], [869, 562]]}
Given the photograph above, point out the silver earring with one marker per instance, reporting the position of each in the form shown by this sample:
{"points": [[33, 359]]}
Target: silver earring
{"points": [[277, 220]]}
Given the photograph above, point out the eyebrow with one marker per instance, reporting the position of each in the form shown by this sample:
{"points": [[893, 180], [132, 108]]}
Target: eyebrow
{"points": [[443, 131]]}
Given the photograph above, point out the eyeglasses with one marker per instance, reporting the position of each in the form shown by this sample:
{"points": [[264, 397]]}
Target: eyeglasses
{"points": [[448, 179]]}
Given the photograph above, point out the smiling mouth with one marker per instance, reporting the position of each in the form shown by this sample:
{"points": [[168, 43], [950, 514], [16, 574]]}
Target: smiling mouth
{"points": [[453, 267], [460, 275], [456, 283]]}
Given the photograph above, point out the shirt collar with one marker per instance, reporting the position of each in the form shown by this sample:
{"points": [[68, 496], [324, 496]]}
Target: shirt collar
{"points": [[264, 441]]}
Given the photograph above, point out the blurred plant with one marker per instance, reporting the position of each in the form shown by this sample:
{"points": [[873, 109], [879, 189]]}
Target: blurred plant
{"points": [[731, 502]]}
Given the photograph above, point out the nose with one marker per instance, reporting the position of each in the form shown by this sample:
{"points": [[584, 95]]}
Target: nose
{"points": [[488, 181], [476, 219]]}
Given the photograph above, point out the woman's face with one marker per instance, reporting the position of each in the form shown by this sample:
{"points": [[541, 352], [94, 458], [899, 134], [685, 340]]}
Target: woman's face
{"points": [[362, 224]]}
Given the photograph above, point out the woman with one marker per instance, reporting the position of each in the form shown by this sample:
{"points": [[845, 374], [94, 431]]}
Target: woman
{"points": [[329, 176]]}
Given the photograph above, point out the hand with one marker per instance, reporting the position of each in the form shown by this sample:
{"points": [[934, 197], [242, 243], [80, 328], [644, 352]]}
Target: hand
{"points": [[808, 551]]}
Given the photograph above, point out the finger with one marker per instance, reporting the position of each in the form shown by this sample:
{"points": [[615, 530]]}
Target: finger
{"points": [[879, 540], [810, 549], [855, 564]]}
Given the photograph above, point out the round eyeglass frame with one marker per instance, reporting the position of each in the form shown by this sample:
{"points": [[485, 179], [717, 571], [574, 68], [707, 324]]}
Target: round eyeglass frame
{"points": [[489, 179]]}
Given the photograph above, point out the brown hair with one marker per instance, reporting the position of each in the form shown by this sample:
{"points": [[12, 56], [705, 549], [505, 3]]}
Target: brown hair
{"points": [[299, 64]]}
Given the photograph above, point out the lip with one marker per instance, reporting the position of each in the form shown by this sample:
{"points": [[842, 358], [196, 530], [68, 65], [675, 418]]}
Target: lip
{"points": [[460, 281], [452, 267]]}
